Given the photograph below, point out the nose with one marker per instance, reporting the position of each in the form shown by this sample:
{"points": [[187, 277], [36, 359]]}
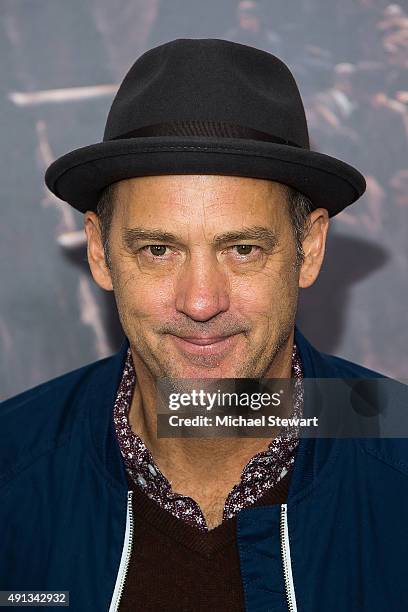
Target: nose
{"points": [[202, 289]]}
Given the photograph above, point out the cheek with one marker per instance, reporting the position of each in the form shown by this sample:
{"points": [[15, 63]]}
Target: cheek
{"points": [[141, 298], [268, 295]]}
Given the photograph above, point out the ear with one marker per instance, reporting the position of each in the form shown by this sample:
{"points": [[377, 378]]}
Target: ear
{"points": [[96, 255], [314, 245]]}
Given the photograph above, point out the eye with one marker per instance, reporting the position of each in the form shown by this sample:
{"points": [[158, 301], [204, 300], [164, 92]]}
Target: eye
{"points": [[157, 250], [244, 249]]}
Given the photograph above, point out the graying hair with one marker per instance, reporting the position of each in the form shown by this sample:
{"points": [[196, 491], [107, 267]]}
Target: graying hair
{"points": [[299, 208], [104, 210]]}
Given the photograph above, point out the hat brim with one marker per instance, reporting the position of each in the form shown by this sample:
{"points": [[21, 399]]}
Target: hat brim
{"points": [[79, 176]]}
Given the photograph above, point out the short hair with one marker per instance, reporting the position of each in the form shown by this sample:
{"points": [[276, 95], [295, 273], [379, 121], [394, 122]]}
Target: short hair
{"points": [[104, 210], [300, 207]]}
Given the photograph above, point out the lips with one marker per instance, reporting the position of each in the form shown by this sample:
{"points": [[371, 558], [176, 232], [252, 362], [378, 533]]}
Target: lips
{"points": [[203, 341], [205, 345]]}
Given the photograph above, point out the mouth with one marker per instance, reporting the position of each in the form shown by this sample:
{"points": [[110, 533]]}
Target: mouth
{"points": [[204, 345]]}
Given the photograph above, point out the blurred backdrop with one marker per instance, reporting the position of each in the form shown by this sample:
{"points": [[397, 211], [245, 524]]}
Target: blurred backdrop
{"points": [[61, 63]]}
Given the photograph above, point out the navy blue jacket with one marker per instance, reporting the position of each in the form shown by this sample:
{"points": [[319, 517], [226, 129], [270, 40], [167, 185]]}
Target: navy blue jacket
{"points": [[339, 544]]}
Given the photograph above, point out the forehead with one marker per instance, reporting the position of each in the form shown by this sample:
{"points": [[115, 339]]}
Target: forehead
{"points": [[190, 199]]}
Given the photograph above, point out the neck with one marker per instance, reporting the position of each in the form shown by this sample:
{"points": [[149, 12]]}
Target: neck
{"points": [[197, 467]]}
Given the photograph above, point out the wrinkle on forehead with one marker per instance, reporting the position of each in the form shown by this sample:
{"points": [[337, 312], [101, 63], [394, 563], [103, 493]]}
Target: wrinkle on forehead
{"points": [[200, 204]]}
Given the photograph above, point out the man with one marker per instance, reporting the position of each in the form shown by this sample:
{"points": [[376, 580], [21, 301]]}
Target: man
{"points": [[250, 28], [205, 211]]}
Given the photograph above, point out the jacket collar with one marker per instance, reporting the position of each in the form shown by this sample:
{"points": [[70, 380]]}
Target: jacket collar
{"points": [[100, 396], [314, 363], [312, 453]]}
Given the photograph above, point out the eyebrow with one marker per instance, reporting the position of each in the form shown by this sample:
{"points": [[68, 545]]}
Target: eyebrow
{"points": [[133, 235]]}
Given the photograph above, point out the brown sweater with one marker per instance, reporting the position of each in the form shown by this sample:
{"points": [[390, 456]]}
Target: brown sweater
{"points": [[176, 567]]}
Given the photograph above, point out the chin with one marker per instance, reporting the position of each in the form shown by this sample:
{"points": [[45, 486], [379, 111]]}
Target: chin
{"points": [[201, 372]]}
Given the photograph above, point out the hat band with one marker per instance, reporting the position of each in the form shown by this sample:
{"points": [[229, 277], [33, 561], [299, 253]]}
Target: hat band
{"points": [[208, 129]]}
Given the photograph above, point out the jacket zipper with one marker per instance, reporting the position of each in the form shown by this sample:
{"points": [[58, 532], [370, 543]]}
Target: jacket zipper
{"points": [[125, 559], [127, 550], [287, 566]]}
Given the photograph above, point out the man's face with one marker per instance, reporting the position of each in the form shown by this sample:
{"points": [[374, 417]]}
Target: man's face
{"points": [[204, 275]]}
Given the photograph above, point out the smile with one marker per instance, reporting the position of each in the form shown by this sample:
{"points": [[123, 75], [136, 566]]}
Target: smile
{"points": [[204, 345]]}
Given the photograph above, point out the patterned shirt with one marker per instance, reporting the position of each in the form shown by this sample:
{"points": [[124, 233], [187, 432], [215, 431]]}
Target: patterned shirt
{"points": [[261, 473]]}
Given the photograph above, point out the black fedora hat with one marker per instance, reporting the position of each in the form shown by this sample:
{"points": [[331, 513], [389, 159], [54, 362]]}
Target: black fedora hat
{"points": [[206, 106]]}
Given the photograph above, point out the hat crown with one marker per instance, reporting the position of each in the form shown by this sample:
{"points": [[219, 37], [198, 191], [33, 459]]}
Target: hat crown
{"points": [[209, 80]]}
